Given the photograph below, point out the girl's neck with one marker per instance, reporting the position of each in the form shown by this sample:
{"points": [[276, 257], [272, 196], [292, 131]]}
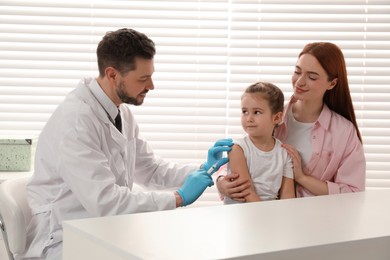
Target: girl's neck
{"points": [[265, 144], [307, 112]]}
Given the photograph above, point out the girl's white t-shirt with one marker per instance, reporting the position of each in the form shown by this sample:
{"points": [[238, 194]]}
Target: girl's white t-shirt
{"points": [[265, 168]]}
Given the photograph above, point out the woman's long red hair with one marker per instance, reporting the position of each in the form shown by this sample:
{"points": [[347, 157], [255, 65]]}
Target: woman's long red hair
{"points": [[332, 60]]}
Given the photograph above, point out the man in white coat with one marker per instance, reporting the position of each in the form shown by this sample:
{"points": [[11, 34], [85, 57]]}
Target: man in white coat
{"points": [[90, 153]]}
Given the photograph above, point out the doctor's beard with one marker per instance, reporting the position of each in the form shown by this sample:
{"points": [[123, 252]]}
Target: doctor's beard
{"points": [[120, 91]]}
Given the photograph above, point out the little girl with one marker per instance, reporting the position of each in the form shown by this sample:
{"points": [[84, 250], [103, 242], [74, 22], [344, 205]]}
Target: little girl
{"points": [[259, 156]]}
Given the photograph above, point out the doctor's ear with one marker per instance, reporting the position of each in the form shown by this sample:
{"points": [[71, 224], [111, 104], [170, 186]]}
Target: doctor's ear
{"points": [[111, 74]]}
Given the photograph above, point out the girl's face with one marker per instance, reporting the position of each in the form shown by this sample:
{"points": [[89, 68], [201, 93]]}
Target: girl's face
{"points": [[257, 119], [309, 80]]}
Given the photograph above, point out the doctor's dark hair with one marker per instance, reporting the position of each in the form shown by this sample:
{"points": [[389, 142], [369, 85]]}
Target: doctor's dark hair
{"points": [[118, 49], [332, 61], [269, 92]]}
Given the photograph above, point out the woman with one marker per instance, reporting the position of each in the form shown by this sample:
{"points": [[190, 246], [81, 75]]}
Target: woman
{"points": [[319, 129]]}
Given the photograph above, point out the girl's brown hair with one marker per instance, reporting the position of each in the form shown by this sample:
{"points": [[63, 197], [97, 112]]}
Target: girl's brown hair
{"points": [[270, 92]]}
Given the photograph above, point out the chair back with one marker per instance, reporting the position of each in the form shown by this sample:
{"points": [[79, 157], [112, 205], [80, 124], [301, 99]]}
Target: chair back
{"points": [[15, 214]]}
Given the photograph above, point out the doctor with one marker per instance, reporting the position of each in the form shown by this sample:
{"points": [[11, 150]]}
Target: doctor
{"points": [[90, 152]]}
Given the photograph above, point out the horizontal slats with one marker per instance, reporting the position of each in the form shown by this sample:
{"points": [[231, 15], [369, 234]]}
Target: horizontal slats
{"points": [[207, 53]]}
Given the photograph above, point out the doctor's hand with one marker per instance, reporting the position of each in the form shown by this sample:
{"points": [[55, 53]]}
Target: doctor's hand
{"points": [[194, 185], [214, 156]]}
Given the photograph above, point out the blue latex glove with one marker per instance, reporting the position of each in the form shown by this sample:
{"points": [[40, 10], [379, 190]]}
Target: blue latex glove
{"points": [[214, 156], [194, 185]]}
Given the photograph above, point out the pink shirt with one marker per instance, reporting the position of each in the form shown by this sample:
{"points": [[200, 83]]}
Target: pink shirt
{"points": [[338, 155]]}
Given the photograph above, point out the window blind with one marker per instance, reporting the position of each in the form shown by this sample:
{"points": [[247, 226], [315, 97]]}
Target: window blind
{"points": [[207, 53]]}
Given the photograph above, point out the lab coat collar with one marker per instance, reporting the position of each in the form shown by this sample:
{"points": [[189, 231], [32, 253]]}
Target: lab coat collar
{"points": [[85, 93], [103, 99], [87, 89]]}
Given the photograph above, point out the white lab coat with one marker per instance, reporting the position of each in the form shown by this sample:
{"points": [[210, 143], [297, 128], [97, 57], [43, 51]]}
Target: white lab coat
{"points": [[85, 167]]}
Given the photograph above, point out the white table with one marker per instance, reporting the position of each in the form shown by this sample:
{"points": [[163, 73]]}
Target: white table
{"points": [[347, 226]]}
